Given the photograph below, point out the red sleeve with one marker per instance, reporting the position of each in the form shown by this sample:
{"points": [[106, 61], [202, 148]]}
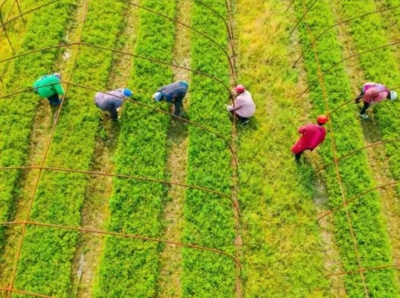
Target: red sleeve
{"points": [[302, 129]]}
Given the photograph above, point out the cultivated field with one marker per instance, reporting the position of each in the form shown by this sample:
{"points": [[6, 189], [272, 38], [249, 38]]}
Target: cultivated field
{"points": [[155, 205]]}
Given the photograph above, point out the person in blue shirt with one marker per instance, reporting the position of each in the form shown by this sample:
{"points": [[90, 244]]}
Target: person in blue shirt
{"points": [[173, 93]]}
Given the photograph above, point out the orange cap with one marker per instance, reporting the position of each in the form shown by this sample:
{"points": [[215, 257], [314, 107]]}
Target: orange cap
{"points": [[322, 119]]}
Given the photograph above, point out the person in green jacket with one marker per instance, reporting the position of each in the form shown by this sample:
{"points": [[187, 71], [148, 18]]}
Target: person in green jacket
{"points": [[49, 87]]}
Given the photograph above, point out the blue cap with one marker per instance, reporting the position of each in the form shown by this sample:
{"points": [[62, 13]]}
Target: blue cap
{"points": [[128, 92], [157, 96]]}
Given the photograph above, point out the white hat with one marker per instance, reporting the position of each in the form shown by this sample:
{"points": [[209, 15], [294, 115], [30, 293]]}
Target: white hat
{"points": [[57, 75], [393, 95]]}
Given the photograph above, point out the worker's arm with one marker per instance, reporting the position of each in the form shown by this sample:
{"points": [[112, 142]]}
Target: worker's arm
{"points": [[302, 129], [57, 86], [238, 104]]}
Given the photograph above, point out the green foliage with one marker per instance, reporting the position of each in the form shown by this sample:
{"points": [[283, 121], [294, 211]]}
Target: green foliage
{"points": [[45, 265], [282, 255], [17, 113], [130, 268], [209, 221], [379, 66], [356, 176]]}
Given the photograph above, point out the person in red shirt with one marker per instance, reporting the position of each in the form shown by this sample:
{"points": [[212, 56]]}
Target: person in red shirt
{"points": [[312, 136]]}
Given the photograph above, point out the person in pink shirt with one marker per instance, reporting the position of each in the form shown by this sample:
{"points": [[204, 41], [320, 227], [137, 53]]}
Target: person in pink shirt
{"points": [[312, 136], [244, 105], [372, 93]]}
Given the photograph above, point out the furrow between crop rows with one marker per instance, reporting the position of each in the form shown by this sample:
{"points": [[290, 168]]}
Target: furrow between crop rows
{"points": [[95, 211], [209, 221], [177, 143], [377, 157], [46, 261], [18, 114], [367, 221], [131, 268]]}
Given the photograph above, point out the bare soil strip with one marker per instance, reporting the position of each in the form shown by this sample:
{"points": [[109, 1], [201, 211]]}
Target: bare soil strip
{"points": [[95, 208], [377, 158], [41, 130], [171, 256]]}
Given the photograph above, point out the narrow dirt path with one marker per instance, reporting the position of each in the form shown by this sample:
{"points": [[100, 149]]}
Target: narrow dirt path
{"points": [[95, 208], [171, 256], [39, 138], [377, 158]]}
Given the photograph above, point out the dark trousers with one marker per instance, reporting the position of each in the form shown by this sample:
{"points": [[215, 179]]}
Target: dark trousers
{"points": [[298, 155], [366, 104], [54, 100], [241, 119], [365, 108], [113, 113]]}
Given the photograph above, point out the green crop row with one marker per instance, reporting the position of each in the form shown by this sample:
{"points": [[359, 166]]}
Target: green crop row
{"points": [[378, 66], [283, 254], [209, 221], [130, 268], [367, 222], [17, 113], [46, 261]]}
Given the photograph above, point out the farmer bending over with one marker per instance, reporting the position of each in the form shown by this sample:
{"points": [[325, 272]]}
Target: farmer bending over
{"points": [[372, 93], [312, 136], [173, 93], [49, 87], [111, 101]]}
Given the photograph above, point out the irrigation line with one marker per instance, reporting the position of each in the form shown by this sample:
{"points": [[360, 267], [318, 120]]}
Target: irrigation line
{"points": [[218, 14], [184, 25], [357, 196], [124, 235], [169, 114], [238, 287], [365, 269], [304, 15], [147, 9], [142, 104], [343, 60], [4, 27], [29, 11], [119, 52], [9, 290], [20, 12], [355, 151], [290, 5], [339, 23], [95, 173], [231, 39], [352, 100], [47, 151], [339, 179]]}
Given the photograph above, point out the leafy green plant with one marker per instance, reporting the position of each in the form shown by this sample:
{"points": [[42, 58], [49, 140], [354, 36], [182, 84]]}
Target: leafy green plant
{"points": [[130, 268], [367, 221], [17, 113], [45, 264], [283, 255], [378, 66], [208, 221]]}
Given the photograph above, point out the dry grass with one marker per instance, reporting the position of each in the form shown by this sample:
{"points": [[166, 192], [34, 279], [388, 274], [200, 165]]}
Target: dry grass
{"points": [[283, 245]]}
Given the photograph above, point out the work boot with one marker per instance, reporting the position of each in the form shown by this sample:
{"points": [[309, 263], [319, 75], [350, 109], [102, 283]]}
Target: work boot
{"points": [[364, 116]]}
